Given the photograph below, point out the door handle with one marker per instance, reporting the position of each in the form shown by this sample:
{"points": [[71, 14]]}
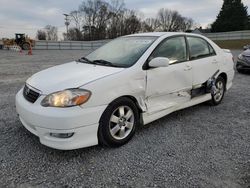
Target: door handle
{"points": [[187, 68], [214, 61]]}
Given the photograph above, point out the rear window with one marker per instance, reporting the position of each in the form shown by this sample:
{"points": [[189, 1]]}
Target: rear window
{"points": [[199, 48]]}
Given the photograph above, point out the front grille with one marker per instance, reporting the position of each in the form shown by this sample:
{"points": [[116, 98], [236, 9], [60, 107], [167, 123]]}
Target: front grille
{"points": [[30, 94], [247, 59]]}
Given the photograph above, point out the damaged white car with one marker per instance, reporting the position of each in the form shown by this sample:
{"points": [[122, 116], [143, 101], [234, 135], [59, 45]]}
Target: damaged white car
{"points": [[136, 79]]}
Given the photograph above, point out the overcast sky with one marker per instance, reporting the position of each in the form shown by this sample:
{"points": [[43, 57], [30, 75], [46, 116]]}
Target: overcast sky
{"points": [[27, 16]]}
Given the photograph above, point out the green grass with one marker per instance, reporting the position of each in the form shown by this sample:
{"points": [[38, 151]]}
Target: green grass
{"points": [[232, 44]]}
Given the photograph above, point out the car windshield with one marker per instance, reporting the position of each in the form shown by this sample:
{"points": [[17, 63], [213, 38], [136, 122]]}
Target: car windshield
{"points": [[121, 52]]}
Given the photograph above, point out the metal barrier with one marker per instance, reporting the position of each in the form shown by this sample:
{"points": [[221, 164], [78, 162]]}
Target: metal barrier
{"points": [[234, 35], [69, 45], [92, 45]]}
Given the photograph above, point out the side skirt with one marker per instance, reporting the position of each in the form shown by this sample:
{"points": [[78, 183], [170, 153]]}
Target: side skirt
{"points": [[148, 118]]}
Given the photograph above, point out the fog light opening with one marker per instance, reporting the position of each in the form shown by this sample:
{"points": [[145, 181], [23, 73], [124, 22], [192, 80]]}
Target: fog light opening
{"points": [[61, 135]]}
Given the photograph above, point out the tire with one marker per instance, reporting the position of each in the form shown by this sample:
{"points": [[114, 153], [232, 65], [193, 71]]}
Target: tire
{"points": [[115, 129], [26, 46], [240, 71], [221, 89]]}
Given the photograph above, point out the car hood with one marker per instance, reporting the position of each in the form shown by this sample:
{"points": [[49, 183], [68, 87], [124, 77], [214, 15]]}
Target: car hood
{"points": [[246, 53], [69, 75]]}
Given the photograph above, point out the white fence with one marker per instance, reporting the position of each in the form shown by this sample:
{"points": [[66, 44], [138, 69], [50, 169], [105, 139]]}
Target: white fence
{"points": [[234, 35], [92, 45], [69, 45]]}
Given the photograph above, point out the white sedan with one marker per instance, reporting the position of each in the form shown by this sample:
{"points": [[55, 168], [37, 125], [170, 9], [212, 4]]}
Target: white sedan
{"points": [[133, 80]]}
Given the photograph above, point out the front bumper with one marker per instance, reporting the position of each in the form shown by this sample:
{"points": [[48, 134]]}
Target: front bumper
{"points": [[241, 65], [42, 121]]}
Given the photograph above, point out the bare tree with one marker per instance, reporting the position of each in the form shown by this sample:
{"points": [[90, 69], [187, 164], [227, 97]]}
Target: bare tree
{"points": [[74, 34], [187, 24], [100, 19], [41, 35], [115, 23], [172, 21], [77, 18], [95, 16], [150, 25], [132, 23], [108, 20], [51, 32], [166, 19]]}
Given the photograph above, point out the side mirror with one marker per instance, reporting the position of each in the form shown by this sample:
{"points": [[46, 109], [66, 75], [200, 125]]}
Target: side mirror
{"points": [[159, 62]]}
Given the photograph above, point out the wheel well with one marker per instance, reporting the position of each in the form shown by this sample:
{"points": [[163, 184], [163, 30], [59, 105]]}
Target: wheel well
{"points": [[134, 100], [224, 76], [131, 98], [138, 107], [136, 104]]}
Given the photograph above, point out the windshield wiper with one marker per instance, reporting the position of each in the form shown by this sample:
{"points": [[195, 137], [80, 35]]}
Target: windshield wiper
{"points": [[97, 62], [104, 62], [86, 60]]}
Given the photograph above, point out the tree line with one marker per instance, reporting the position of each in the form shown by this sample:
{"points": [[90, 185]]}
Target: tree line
{"points": [[233, 16], [99, 19], [48, 33]]}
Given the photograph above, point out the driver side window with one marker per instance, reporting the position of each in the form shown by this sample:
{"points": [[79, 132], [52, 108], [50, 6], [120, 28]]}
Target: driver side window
{"points": [[174, 49]]}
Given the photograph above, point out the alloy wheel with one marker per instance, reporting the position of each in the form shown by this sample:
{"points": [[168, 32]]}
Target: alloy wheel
{"points": [[121, 122], [220, 89]]}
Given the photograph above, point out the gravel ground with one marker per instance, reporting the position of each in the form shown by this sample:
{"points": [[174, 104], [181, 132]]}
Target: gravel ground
{"points": [[201, 146]]}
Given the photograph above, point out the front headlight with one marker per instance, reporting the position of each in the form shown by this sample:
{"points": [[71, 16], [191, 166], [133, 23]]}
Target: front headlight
{"points": [[66, 98], [240, 57]]}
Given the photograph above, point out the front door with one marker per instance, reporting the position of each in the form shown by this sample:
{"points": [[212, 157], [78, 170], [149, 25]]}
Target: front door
{"points": [[169, 86]]}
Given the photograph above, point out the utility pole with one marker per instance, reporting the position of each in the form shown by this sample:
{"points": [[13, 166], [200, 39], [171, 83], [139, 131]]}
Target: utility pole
{"points": [[67, 24]]}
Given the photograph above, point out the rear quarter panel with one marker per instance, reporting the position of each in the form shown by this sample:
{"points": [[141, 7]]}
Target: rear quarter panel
{"points": [[227, 66], [226, 62]]}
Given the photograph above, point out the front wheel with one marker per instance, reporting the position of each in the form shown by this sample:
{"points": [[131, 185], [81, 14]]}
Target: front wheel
{"points": [[118, 123], [217, 97], [26, 46]]}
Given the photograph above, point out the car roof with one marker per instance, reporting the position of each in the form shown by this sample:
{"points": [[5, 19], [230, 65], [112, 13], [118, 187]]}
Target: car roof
{"points": [[159, 34]]}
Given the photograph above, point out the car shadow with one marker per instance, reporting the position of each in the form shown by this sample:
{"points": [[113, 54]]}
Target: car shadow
{"points": [[245, 72]]}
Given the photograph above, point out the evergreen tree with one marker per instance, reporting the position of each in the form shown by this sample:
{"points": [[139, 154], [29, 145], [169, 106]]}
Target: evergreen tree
{"points": [[232, 17]]}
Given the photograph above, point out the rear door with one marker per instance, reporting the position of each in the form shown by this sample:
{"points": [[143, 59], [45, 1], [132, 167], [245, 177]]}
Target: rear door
{"points": [[203, 58]]}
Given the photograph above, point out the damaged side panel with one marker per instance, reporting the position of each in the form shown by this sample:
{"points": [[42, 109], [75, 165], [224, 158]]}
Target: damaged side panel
{"points": [[168, 87], [133, 85]]}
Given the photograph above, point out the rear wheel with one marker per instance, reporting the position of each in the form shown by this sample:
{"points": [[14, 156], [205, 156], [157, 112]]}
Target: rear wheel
{"points": [[118, 123], [220, 91]]}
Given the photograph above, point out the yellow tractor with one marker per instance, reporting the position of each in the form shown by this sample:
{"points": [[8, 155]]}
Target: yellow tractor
{"points": [[21, 40]]}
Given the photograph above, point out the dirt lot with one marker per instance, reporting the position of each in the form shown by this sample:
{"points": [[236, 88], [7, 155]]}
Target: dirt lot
{"points": [[232, 44], [201, 146]]}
